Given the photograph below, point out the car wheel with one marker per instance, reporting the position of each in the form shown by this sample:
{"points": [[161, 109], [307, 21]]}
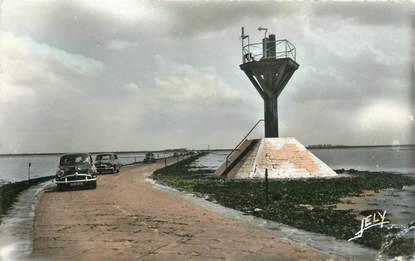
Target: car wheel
{"points": [[94, 184], [61, 187]]}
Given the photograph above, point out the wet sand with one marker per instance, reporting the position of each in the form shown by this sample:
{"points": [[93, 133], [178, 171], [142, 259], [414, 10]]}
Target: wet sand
{"points": [[398, 203], [125, 218]]}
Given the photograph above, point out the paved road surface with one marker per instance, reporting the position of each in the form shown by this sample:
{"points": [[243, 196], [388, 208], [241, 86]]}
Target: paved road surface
{"points": [[125, 218]]}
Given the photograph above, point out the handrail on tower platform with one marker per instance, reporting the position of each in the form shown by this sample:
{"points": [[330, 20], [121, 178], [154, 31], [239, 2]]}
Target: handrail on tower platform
{"points": [[269, 48], [275, 49]]}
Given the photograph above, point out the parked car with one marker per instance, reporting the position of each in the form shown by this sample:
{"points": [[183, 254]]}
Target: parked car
{"points": [[76, 169], [149, 157], [107, 162]]}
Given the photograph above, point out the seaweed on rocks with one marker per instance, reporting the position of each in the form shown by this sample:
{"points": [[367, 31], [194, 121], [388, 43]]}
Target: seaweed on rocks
{"points": [[302, 203]]}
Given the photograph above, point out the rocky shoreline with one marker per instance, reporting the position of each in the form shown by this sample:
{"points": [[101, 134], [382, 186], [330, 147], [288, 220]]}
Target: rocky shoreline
{"points": [[305, 204]]}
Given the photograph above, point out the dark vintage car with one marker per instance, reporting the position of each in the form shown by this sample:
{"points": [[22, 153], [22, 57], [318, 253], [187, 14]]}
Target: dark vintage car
{"points": [[76, 169], [149, 158], [107, 162]]}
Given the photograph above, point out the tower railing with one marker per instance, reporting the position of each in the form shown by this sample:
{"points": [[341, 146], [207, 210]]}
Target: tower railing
{"points": [[273, 49]]}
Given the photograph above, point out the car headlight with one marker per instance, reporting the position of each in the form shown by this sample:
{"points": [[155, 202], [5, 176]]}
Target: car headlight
{"points": [[59, 173]]}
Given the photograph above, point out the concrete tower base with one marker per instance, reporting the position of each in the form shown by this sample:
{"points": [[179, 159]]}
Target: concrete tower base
{"points": [[283, 157]]}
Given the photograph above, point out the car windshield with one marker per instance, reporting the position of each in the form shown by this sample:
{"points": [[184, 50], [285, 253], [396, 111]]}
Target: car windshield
{"points": [[74, 159], [104, 157]]}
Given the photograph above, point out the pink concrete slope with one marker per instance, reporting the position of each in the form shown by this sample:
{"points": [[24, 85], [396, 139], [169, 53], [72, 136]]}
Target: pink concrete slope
{"points": [[284, 158]]}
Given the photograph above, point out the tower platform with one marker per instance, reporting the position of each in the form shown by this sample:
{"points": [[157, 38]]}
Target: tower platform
{"points": [[283, 157]]}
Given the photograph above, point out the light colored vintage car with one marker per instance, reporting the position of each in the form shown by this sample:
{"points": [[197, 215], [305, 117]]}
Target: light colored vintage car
{"points": [[76, 169], [149, 158]]}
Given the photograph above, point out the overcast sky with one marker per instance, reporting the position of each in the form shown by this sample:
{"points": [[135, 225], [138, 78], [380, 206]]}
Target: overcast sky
{"points": [[86, 75]]}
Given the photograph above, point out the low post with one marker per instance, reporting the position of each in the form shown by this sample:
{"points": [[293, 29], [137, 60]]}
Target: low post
{"points": [[165, 162], [28, 173], [266, 186]]}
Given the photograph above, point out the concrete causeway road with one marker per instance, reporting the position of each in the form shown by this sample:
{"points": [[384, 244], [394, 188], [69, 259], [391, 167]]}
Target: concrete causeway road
{"points": [[126, 218]]}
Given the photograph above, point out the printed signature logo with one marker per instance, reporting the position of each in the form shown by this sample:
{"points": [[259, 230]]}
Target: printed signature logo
{"points": [[373, 220]]}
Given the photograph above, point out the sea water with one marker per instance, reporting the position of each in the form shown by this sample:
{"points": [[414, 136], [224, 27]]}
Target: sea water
{"points": [[393, 160]]}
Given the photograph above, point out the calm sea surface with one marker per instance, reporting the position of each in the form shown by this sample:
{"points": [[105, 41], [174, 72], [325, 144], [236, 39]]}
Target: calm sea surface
{"points": [[400, 160], [374, 159]]}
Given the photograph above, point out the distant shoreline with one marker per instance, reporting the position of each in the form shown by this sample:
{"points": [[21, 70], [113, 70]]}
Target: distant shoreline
{"points": [[356, 146], [336, 147], [92, 152], [205, 150]]}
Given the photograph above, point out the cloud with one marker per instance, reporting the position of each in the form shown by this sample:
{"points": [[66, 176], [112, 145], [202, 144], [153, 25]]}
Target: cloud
{"points": [[367, 13], [118, 45], [199, 18], [27, 65], [40, 90], [342, 65], [384, 114], [129, 10], [386, 121], [66, 102], [131, 86], [184, 84], [165, 74]]}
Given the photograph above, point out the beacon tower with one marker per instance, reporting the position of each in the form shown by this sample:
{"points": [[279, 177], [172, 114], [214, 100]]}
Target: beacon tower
{"points": [[269, 71], [269, 65]]}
